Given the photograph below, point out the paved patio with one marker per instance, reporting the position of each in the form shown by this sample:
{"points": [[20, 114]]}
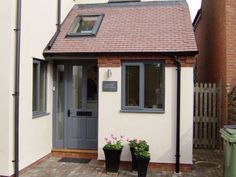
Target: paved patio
{"points": [[53, 168]]}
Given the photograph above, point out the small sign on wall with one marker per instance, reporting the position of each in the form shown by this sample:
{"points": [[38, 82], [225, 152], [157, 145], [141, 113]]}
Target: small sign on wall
{"points": [[109, 86]]}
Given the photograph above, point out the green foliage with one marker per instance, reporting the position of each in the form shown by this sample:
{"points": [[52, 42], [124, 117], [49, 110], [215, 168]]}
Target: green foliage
{"points": [[140, 147], [114, 146], [114, 143], [138, 144], [142, 154], [132, 143]]}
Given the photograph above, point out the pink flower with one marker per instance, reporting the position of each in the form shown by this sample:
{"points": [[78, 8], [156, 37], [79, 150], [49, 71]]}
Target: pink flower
{"points": [[115, 138], [112, 135], [127, 139], [106, 139]]}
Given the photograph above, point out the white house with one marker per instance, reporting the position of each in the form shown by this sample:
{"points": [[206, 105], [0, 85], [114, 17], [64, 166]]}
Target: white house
{"points": [[110, 68]]}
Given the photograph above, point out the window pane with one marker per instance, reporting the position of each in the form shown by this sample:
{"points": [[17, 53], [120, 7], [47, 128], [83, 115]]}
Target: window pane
{"points": [[60, 102], [35, 87], [132, 86], [92, 84], [86, 24], [153, 86], [77, 87], [42, 101], [39, 87]]}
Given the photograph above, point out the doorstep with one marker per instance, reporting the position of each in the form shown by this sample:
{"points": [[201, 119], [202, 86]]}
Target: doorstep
{"points": [[75, 153]]}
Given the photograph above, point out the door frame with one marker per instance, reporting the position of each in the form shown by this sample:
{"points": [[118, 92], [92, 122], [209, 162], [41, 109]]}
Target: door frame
{"points": [[62, 144]]}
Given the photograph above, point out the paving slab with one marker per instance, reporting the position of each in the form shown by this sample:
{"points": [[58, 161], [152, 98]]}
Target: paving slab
{"points": [[206, 163]]}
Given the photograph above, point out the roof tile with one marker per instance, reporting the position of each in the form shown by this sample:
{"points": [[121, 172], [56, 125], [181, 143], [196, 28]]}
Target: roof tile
{"points": [[136, 27]]}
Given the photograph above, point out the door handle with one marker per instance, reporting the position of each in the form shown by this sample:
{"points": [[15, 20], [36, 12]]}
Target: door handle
{"points": [[68, 113]]}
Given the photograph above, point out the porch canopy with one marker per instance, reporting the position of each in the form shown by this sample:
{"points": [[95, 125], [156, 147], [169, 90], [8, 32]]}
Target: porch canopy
{"points": [[129, 27]]}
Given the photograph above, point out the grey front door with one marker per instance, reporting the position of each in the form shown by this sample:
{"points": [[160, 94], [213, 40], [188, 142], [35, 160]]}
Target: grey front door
{"points": [[82, 99]]}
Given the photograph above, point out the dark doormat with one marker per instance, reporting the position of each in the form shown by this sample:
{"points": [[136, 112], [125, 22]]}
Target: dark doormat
{"points": [[74, 160]]}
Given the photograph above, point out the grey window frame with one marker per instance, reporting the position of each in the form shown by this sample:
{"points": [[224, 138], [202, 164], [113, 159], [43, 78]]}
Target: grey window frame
{"points": [[120, 1], [95, 27], [38, 113], [141, 107]]}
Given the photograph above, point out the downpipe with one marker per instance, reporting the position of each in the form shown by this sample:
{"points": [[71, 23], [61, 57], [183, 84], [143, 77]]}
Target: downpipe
{"points": [[51, 42], [17, 86], [178, 92]]}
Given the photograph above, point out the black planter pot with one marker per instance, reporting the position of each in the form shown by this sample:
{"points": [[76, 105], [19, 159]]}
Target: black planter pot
{"points": [[134, 160], [112, 160], [142, 165], [134, 163]]}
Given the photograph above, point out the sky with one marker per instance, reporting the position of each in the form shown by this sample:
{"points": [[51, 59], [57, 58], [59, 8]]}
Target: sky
{"points": [[194, 5]]}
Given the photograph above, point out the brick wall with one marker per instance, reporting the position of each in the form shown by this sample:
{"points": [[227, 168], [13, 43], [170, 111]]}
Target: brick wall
{"points": [[210, 35], [216, 40], [115, 61], [109, 61], [200, 64], [231, 43]]}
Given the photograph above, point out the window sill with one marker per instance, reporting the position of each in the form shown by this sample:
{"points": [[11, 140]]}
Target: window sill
{"points": [[42, 114], [142, 111]]}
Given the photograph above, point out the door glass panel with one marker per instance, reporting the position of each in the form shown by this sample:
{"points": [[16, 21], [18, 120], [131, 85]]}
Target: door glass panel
{"points": [[60, 100], [77, 77], [92, 86]]}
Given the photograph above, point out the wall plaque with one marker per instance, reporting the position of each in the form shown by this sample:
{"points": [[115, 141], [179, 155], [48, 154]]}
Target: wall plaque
{"points": [[109, 86]]}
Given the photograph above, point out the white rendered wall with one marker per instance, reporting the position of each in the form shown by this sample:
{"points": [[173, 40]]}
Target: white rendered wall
{"points": [[158, 129], [39, 20], [7, 17], [187, 90]]}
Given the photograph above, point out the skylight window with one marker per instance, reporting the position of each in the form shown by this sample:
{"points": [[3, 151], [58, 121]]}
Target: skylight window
{"points": [[86, 25], [120, 1]]}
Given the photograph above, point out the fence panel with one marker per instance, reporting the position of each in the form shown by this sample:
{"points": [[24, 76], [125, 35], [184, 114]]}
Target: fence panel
{"points": [[206, 116]]}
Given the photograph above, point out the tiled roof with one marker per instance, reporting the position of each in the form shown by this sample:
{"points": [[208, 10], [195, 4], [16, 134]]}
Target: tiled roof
{"points": [[161, 26]]}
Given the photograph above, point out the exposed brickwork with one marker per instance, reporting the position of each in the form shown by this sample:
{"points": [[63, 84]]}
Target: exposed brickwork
{"points": [[230, 42], [155, 166], [111, 61], [213, 48], [210, 37], [188, 61]]}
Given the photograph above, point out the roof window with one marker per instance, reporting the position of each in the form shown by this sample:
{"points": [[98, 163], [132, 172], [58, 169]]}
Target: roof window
{"points": [[120, 1], [86, 25]]}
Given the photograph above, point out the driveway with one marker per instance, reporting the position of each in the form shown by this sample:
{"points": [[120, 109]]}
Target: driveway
{"points": [[207, 163]]}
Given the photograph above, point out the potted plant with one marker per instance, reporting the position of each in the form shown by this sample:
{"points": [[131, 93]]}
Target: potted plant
{"points": [[112, 151], [142, 160], [134, 145]]}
